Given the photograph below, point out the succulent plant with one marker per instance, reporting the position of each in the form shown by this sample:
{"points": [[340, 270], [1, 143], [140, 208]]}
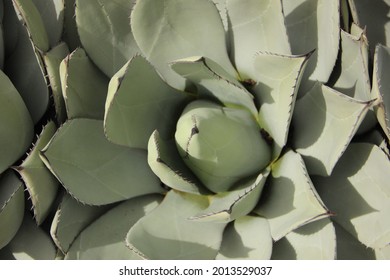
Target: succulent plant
{"points": [[198, 129]]}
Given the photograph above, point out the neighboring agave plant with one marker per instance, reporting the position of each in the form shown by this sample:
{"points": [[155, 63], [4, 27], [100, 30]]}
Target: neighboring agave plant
{"points": [[235, 129]]}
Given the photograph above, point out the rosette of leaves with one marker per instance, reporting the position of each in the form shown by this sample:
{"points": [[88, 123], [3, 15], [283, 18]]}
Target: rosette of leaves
{"points": [[236, 129], [32, 46]]}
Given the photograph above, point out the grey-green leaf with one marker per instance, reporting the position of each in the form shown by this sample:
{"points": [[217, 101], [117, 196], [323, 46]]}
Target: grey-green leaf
{"points": [[351, 74], [41, 184], [230, 205], [166, 163], [11, 206], [353, 79], [94, 170], [213, 82], [373, 15], [52, 61], [314, 241], [71, 218], [349, 248], [167, 233], [84, 86], [105, 238], [358, 192], [255, 26], [319, 116], [105, 32], [383, 254], [173, 29], [33, 21], [278, 78], [16, 126], [52, 14], [139, 102], [289, 199], [381, 86], [30, 243], [25, 69], [247, 238], [314, 25]]}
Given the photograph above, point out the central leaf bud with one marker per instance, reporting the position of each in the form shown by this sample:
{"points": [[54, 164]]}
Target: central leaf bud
{"points": [[220, 145]]}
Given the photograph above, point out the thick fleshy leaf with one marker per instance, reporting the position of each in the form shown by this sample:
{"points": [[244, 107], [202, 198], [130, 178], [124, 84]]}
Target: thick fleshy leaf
{"points": [[41, 184], [105, 238], [52, 14], [359, 193], [353, 78], [221, 6], [83, 85], [221, 145], [351, 75], [247, 238], [324, 123], [105, 32], [381, 86], [94, 170], [289, 200], [70, 34], [278, 80], [70, 219], [373, 15], [166, 163], [261, 29], [30, 243], [314, 25], [30, 82], [349, 248], [383, 254], [11, 206], [169, 30], [139, 102], [16, 126], [228, 206], [213, 82], [31, 17], [314, 241], [167, 233], [52, 61]]}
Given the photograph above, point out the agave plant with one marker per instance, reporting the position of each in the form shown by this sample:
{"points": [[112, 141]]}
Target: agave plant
{"points": [[198, 129]]}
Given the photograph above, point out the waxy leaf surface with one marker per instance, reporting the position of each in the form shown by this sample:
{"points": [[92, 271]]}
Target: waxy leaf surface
{"points": [[94, 170]]}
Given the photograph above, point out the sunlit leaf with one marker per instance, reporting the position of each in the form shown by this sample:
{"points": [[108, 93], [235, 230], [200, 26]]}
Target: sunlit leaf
{"points": [[94, 170], [319, 116], [289, 200], [314, 241], [358, 192], [261, 29], [169, 30], [314, 25], [167, 233], [248, 237], [139, 102]]}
